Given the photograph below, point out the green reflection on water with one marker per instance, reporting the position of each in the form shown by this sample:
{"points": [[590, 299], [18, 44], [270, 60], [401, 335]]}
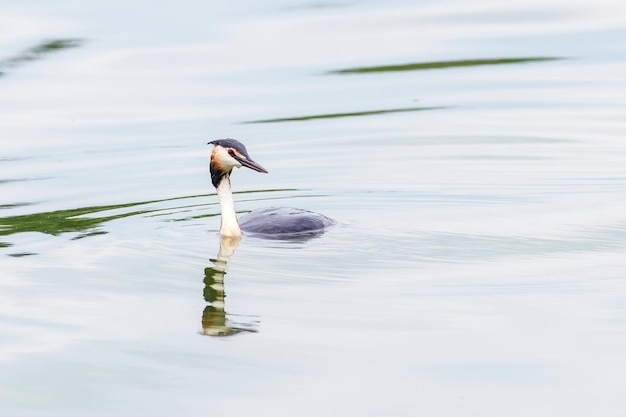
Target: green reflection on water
{"points": [[336, 115], [21, 254], [60, 221], [65, 221], [39, 51], [420, 66], [73, 220], [14, 205]]}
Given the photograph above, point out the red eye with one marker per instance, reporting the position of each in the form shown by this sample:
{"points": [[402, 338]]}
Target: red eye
{"points": [[231, 152]]}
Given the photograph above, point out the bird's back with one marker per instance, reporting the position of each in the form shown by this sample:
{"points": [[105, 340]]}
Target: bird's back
{"points": [[284, 221]]}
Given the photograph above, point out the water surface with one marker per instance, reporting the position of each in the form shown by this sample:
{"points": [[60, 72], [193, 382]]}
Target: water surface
{"points": [[472, 155]]}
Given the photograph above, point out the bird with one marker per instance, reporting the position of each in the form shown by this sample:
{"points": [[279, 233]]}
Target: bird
{"points": [[270, 222]]}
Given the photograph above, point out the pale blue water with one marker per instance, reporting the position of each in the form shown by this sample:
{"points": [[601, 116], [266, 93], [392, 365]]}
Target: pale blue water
{"points": [[477, 174]]}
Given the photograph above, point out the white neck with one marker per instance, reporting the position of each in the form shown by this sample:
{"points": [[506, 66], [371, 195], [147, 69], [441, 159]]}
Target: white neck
{"points": [[229, 226]]}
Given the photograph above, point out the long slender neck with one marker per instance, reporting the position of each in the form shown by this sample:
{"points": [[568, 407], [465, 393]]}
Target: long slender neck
{"points": [[229, 226]]}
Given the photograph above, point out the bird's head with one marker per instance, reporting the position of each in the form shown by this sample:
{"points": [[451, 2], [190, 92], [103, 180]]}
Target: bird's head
{"points": [[228, 154]]}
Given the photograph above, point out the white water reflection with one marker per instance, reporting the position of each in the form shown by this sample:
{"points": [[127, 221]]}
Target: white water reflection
{"points": [[478, 263]]}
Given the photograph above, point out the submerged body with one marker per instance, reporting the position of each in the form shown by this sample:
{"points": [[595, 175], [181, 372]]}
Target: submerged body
{"points": [[272, 222]]}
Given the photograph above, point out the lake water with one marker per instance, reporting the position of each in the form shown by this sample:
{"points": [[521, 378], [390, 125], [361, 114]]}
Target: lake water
{"points": [[472, 153]]}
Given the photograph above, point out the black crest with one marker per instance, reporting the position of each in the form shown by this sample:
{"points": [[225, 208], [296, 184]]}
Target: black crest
{"points": [[231, 143]]}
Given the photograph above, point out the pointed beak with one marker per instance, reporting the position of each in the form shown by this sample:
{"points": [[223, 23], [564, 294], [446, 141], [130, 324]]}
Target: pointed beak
{"points": [[250, 164]]}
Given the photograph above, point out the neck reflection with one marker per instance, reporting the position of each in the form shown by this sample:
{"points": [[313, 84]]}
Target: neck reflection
{"points": [[215, 320]]}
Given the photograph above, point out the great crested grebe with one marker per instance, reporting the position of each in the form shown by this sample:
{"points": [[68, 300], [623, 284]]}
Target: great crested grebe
{"points": [[271, 222]]}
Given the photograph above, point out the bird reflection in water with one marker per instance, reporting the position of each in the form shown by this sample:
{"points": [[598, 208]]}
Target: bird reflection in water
{"points": [[215, 320]]}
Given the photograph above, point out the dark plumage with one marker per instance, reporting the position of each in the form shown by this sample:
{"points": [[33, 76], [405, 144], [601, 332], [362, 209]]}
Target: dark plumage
{"points": [[233, 144], [283, 221]]}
